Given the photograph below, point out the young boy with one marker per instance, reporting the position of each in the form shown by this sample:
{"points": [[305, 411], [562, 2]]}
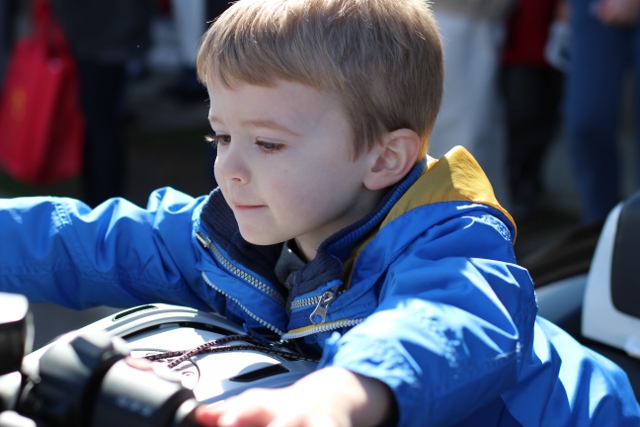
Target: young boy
{"points": [[332, 230]]}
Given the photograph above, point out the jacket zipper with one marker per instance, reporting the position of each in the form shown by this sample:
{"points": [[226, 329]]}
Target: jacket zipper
{"points": [[206, 243], [245, 309], [322, 307], [322, 301], [321, 328]]}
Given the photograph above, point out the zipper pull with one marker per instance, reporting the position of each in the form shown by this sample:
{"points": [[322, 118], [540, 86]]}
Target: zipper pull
{"points": [[204, 240], [322, 307]]}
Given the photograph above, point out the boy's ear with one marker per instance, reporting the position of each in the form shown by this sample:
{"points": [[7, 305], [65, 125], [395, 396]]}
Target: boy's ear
{"points": [[392, 158]]}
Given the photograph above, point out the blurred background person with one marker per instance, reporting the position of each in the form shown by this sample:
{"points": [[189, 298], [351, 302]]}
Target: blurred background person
{"points": [[605, 46], [472, 113], [105, 36], [532, 90], [190, 18], [7, 20]]}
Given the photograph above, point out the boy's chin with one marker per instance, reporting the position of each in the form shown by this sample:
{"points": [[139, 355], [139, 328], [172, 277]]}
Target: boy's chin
{"points": [[259, 240]]}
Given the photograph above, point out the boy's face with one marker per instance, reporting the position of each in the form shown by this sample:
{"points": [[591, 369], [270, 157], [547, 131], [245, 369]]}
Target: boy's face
{"points": [[284, 163]]}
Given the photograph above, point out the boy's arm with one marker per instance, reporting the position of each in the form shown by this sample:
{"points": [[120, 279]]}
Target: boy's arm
{"points": [[454, 322], [329, 397], [59, 251]]}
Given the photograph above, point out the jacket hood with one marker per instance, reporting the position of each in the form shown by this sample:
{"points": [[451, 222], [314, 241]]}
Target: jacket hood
{"points": [[456, 177]]}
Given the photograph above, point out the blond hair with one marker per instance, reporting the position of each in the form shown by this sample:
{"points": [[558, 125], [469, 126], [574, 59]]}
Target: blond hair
{"points": [[383, 58]]}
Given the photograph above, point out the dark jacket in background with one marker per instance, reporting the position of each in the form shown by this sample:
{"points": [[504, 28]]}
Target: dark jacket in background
{"points": [[105, 36], [106, 30]]}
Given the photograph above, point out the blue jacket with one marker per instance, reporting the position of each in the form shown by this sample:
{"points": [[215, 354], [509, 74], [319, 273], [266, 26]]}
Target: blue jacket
{"points": [[424, 294]]}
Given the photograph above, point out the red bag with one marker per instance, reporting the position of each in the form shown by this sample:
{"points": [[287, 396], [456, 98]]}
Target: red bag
{"points": [[41, 123]]}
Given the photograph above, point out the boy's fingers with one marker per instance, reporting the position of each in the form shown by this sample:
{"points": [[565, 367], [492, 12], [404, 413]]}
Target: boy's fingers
{"points": [[207, 416], [255, 416], [221, 415], [305, 421]]}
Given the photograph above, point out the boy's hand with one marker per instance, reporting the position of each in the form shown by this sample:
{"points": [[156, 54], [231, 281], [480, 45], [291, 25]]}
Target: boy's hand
{"points": [[329, 397]]}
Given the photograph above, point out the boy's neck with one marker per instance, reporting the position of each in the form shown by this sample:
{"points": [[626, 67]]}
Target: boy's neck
{"points": [[307, 245]]}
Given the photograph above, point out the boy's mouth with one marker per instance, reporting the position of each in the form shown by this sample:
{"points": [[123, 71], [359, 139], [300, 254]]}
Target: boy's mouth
{"points": [[241, 206]]}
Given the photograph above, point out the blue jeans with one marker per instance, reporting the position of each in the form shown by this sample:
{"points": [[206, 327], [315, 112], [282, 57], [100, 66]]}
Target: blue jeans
{"points": [[599, 59]]}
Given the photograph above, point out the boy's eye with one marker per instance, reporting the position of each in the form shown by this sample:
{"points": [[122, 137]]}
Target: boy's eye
{"points": [[218, 139], [269, 147]]}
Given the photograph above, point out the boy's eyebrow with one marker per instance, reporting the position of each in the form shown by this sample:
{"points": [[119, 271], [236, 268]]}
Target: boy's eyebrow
{"points": [[269, 124]]}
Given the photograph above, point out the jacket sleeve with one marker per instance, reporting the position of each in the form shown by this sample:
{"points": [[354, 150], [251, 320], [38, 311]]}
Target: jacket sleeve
{"points": [[58, 250], [455, 316]]}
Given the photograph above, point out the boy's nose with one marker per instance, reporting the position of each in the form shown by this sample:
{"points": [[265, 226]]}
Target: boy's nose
{"points": [[230, 165]]}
